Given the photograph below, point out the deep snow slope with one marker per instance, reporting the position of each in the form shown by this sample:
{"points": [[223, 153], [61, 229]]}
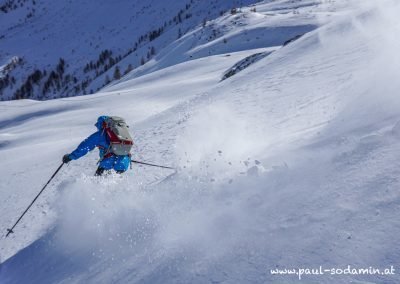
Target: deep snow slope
{"points": [[291, 163]]}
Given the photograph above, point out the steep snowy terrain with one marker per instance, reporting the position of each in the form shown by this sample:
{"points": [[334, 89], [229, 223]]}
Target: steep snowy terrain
{"points": [[70, 48], [290, 163]]}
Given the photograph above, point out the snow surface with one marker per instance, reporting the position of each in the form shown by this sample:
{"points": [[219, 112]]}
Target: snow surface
{"points": [[291, 163]]}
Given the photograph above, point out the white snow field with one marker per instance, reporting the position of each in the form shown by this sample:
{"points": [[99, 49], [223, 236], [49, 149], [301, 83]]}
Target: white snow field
{"points": [[292, 163]]}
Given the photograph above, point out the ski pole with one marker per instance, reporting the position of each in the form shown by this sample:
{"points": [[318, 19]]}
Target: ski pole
{"points": [[10, 231], [153, 165]]}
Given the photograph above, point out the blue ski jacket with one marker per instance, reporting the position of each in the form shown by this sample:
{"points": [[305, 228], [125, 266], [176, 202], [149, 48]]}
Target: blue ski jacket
{"points": [[100, 139]]}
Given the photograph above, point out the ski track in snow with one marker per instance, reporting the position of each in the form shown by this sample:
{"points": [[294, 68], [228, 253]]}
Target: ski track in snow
{"points": [[291, 163]]}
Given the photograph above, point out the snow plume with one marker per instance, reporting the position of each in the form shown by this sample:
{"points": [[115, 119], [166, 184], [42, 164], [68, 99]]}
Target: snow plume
{"points": [[218, 142], [180, 224], [373, 92], [103, 216], [382, 78], [378, 24]]}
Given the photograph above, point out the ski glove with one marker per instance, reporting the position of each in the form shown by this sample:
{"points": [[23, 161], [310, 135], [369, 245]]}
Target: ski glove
{"points": [[66, 159]]}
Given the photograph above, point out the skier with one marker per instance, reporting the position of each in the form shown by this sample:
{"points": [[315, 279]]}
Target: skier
{"points": [[114, 143]]}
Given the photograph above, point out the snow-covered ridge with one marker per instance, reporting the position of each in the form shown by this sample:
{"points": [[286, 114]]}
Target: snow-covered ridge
{"points": [[258, 26], [99, 42]]}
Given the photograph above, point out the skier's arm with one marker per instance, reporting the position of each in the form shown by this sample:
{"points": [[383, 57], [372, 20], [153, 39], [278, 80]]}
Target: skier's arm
{"points": [[86, 145]]}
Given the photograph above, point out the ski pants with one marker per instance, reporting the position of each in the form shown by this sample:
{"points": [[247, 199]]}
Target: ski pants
{"points": [[118, 163]]}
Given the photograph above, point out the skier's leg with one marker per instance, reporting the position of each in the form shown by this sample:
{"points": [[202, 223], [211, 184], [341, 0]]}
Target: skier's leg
{"points": [[122, 164], [99, 171], [105, 165]]}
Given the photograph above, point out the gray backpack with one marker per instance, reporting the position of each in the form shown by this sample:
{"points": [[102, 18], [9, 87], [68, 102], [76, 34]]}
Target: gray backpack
{"points": [[117, 131]]}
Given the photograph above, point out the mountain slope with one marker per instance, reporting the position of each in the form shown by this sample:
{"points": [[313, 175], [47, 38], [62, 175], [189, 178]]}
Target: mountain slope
{"points": [[290, 163], [74, 47]]}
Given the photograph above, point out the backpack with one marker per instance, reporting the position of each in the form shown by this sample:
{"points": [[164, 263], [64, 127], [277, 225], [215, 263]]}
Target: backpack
{"points": [[117, 131]]}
